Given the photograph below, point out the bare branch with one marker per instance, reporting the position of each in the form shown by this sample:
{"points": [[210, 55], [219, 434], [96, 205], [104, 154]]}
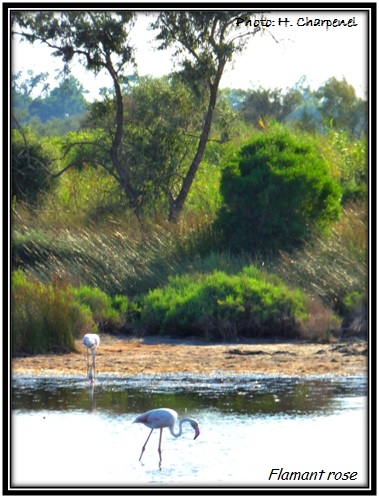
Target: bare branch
{"points": [[250, 33]]}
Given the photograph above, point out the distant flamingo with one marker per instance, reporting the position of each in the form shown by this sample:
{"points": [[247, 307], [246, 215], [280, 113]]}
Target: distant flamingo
{"points": [[91, 341], [161, 418]]}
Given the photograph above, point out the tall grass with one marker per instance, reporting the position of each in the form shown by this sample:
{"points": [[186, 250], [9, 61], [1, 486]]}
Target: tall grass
{"points": [[331, 267], [44, 317], [119, 257]]}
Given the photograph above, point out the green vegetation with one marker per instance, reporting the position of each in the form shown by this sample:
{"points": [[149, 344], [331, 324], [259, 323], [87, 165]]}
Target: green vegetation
{"points": [[333, 266], [32, 162], [44, 317], [50, 110], [277, 192], [212, 306], [180, 208], [48, 317], [348, 160], [118, 257], [110, 314], [173, 287], [221, 306]]}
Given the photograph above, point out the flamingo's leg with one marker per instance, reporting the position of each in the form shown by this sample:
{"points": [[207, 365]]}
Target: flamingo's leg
{"points": [[87, 363], [93, 364], [159, 449], [144, 446]]}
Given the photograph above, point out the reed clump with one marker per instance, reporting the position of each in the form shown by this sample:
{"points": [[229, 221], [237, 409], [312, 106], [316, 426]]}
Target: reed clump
{"points": [[44, 318]]}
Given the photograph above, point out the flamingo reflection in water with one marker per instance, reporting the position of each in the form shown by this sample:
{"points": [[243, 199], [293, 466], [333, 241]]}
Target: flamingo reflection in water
{"points": [[161, 418]]}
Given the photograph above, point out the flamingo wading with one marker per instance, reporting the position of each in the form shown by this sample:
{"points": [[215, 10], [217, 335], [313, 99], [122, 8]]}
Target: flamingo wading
{"points": [[91, 341], [161, 418]]}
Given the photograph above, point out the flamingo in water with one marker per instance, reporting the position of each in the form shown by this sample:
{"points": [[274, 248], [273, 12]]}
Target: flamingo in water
{"points": [[91, 341], [161, 418]]}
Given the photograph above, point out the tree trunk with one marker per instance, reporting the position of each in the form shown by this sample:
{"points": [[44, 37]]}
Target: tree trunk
{"points": [[176, 205], [122, 169]]}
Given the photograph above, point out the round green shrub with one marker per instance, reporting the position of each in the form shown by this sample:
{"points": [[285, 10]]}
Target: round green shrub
{"points": [[31, 162], [221, 306], [276, 193]]}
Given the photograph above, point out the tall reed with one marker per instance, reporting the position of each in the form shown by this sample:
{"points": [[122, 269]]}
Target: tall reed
{"points": [[44, 317]]}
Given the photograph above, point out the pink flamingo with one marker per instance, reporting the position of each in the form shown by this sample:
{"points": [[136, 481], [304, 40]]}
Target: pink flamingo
{"points": [[91, 341], [161, 418]]}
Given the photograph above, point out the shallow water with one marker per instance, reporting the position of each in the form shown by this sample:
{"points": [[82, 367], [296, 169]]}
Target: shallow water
{"points": [[65, 434]]}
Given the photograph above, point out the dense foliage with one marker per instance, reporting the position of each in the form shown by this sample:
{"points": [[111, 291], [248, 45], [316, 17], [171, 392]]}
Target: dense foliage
{"points": [[221, 306], [217, 305], [32, 163], [49, 317], [276, 193], [341, 108], [161, 123]]}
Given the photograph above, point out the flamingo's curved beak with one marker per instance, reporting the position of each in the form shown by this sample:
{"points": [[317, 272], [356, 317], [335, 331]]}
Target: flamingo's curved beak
{"points": [[197, 431]]}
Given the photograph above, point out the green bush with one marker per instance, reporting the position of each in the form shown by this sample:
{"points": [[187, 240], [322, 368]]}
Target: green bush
{"points": [[276, 193], [45, 318], [120, 303], [31, 165], [223, 306], [107, 312]]}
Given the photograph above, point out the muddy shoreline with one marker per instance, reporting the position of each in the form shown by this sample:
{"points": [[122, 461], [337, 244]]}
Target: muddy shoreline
{"points": [[124, 356]]}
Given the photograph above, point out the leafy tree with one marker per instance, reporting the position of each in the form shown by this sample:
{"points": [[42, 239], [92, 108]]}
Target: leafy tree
{"points": [[48, 113], [22, 90], [263, 103], [31, 167], [64, 101], [100, 40], [162, 123], [277, 191], [235, 97], [30, 84], [340, 106], [204, 43], [307, 115]]}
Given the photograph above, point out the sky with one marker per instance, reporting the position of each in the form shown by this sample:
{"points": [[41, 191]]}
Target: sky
{"points": [[289, 50]]}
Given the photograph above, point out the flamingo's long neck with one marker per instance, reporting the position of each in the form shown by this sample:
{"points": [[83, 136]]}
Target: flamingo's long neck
{"points": [[180, 427]]}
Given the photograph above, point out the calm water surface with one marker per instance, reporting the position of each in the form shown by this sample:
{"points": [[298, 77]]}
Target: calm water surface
{"points": [[65, 434]]}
